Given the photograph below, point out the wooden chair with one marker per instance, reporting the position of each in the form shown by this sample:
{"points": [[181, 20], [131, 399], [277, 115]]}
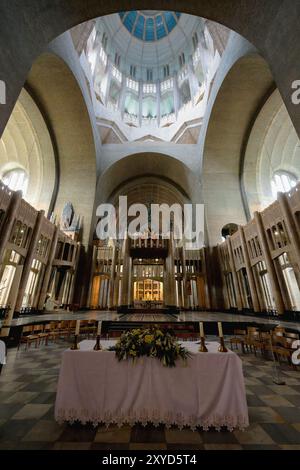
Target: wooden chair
{"points": [[28, 337], [39, 331], [238, 338], [252, 340]]}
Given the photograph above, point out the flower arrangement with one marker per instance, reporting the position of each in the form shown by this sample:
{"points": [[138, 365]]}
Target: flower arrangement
{"points": [[150, 342]]}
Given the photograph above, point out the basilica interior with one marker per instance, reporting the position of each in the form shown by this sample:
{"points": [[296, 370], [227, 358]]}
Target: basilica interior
{"points": [[164, 107]]}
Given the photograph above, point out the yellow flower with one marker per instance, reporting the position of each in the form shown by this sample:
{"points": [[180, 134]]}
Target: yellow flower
{"points": [[149, 339]]}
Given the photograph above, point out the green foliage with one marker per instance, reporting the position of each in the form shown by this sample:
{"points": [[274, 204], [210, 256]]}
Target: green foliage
{"points": [[150, 342]]}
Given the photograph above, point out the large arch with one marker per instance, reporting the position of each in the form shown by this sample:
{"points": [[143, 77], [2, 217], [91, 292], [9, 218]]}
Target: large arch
{"points": [[259, 21], [58, 95], [241, 93], [148, 165], [273, 146], [26, 144]]}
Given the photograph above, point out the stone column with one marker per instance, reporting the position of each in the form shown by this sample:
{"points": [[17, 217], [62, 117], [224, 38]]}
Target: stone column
{"points": [[176, 95], [29, 258], [12, 298], [130, 282], [226, 297], [94, 260], [47, 275], [75, 267], [122, 96], [140, 101], [158, 101], [192, 81], [171, 271], [279, 303], [9, 221], [109, 75], [184, 283], [125, 273], [111, 303], [251, 280], [292, 232], [237, 291]]}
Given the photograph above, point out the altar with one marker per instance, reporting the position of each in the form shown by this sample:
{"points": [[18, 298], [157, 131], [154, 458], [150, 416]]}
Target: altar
{"points": [[207, 391]]}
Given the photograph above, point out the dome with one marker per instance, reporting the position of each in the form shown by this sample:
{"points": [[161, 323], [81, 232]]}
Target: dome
{"points": [[148, 25], [151, 73]]}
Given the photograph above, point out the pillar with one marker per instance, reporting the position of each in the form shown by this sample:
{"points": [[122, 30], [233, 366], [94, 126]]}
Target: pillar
{"points": [[176, 95], [279, 303], [140, 102], [125, 273], [158, 101], [12, 298], [292, 232], [29, 258], [170, 268], [250, 275], [47, 275], [74, 274], [111, 303], [184, 283], [8, 222], [234, 278], [94, 259]]}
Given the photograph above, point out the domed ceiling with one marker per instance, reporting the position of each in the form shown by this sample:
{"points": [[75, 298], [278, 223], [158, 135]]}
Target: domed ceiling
{"points": [[150, 38], [148, 25]]}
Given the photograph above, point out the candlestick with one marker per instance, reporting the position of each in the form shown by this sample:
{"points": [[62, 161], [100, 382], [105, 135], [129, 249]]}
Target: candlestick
{"points": [[77, 329], [201, 329], [99, 328], [202, 347], [75, 345], [222, 347], [220, 329], [97, 346]]}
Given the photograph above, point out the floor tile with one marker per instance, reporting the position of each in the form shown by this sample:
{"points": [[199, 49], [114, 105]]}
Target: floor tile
{"points": [[261, 414], [20, 397], [254, 434], [282, 433], [44, 431], [78, 433], [72, 446], [31, 411], [275, 400], [223, 447], [147, 434], [185, 436], [113, 434], [147, 446]]}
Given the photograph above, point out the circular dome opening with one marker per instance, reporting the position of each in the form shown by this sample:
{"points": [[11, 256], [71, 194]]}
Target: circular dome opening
{"points": [[147, 25]]}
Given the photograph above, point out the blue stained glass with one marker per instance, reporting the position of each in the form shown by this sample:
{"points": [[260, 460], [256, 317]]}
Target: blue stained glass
{"points": [[149, 36], [160, 27], [149, 27], [129, 20], [139, 28], [169, 20]]}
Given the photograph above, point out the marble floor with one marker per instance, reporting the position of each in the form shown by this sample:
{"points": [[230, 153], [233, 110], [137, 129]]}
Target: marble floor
{"points": [[156, 317], [27, 396]]}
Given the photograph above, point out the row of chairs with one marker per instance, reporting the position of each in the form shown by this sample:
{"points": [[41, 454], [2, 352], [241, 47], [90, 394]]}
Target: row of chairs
{"points": [[277, 342], [43, 333]]}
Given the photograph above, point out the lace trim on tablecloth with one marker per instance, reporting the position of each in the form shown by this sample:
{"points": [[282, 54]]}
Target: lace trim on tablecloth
{"points": [[155, 417]]}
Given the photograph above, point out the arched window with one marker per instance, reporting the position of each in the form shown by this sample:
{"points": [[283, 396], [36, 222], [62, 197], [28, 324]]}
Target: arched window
{"points": [[282, 182], [16, 179]]}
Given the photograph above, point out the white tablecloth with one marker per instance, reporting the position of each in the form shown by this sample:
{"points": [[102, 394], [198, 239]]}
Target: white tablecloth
{"points": [[208, 391]]}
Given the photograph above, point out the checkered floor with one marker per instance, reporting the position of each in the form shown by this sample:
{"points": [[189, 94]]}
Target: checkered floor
{"points": [[27, 396]]}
